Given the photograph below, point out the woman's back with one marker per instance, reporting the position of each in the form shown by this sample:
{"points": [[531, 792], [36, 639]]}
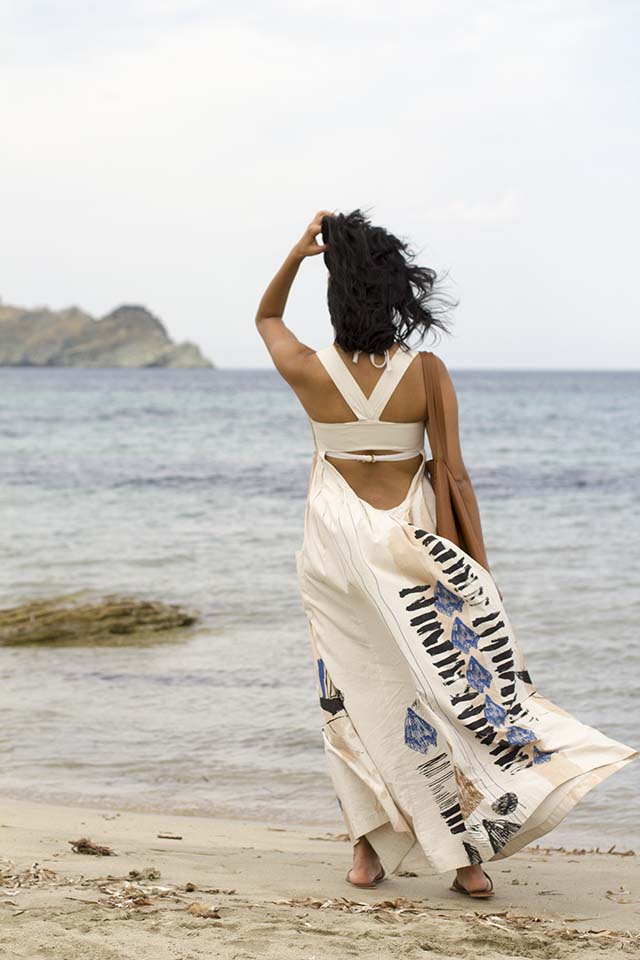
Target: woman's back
{"points": [[359, 394]]}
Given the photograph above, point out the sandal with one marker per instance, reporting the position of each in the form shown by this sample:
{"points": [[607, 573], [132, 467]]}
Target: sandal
{"points": [[457, 887], [374, 883]]}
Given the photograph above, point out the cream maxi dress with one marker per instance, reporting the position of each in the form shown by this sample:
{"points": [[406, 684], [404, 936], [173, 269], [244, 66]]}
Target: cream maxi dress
{"points": [[434, 731]]}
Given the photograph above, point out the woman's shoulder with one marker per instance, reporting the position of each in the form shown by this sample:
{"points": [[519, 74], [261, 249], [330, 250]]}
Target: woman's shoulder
{"points": [[433, 360]]}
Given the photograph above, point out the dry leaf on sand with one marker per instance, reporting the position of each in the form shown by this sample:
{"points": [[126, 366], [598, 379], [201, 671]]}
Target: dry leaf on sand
{"points": [[84, 845], [202, 910]]}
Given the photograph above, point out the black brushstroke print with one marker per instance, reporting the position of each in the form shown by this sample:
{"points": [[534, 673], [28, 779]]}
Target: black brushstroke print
{"points": [[472, 852], [505, 804], [441, 780], [331, 699], [452, 650], [459, 574], [500, 832]]}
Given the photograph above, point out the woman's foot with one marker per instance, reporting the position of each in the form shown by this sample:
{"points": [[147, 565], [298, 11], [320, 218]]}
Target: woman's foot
{"points": [[474, 880], [366, 863]]}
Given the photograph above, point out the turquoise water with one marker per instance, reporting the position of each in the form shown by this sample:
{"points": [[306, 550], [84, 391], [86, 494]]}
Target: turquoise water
{"points": [[189, 486]]}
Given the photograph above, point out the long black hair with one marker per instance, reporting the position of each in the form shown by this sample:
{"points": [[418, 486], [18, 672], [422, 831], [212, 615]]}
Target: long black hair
{"points": [[376, 295]]}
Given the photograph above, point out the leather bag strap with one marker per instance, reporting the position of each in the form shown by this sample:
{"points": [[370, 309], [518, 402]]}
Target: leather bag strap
{"points": [[452, 517]]}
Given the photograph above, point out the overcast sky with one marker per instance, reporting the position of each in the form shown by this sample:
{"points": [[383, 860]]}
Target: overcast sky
{"points": [[170, 153]]}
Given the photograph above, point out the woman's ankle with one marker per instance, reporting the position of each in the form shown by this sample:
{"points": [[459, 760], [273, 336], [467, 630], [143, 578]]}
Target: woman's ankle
{"points": [[362, 850]]}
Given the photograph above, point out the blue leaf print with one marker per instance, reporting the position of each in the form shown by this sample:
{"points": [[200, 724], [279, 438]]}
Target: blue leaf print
{"points": [[446, 601], [321, 677], [520, 735], [477, 676], [541, 756], [462, 636], [418, 734], [495, 714]]}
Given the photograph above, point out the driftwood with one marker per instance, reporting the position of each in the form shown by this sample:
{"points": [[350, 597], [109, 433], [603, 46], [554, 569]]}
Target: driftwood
{"points": [[77, 621]]}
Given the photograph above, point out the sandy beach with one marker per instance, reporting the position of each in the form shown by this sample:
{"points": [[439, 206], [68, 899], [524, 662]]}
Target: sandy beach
{"points": [[185, 888]]}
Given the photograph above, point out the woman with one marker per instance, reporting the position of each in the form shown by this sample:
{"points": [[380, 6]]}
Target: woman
{"points": [[434, 732]]}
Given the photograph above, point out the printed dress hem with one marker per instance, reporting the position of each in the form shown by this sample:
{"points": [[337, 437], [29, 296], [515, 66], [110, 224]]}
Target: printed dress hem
{"points": [[394, 847], [585, 783]]}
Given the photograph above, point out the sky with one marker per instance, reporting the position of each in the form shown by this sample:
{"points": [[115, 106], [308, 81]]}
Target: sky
{"points": [[171, 153]]}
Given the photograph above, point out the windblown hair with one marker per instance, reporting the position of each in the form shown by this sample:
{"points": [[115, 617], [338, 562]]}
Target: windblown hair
{"points": [[376, 295]]}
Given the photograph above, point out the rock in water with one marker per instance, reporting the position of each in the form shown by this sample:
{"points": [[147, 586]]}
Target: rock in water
{"points": [[111, 620], [127, 337]]}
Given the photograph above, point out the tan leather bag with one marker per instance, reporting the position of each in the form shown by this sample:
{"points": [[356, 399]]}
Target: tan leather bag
{"points": [[452, 517]]}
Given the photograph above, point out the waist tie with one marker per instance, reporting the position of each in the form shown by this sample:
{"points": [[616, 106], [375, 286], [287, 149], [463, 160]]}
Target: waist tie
{"points": [[373, 457]]}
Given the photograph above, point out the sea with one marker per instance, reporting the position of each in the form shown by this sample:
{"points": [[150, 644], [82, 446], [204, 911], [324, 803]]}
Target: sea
{"points": [[189, 486]]}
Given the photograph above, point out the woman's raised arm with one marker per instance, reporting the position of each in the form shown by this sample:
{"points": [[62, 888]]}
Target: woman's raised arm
{"points": [[283, 345]]}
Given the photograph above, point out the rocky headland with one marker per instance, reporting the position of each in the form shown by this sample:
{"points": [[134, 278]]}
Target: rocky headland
{"points": [[129, 336]]}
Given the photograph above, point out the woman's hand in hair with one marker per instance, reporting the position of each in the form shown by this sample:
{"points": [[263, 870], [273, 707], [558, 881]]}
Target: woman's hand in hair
{"points": [[307, 245]]}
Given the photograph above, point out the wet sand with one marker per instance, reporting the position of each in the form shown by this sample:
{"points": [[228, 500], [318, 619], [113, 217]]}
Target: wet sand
{"points": [[245, 890]]}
